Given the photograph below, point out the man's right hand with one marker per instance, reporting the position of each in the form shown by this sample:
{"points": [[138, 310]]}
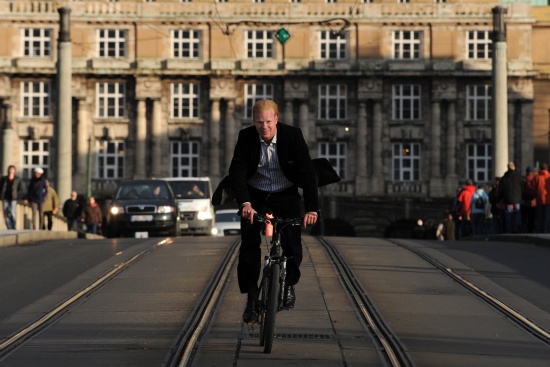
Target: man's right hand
{"points": [[247, 211]]}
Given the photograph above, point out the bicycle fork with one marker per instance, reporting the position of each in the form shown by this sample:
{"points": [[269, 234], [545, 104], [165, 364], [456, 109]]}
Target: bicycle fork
{"points": [[282, 280]]}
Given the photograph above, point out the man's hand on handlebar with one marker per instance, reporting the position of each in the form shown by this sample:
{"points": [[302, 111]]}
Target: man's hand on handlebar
{"points": [[248, 212], [310, 218]]}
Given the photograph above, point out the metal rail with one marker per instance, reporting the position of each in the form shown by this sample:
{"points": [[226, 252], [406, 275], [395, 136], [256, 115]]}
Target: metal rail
{"points": [[391, 350]]}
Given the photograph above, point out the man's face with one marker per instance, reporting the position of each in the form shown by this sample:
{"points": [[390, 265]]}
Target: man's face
{"points": [[266, 124], [11, 171]]}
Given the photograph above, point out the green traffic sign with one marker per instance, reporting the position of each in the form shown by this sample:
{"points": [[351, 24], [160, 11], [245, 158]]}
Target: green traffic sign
{"points": [[282, 35]]}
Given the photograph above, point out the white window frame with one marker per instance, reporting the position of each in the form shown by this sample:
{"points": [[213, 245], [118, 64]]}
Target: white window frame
{"points": [[479, 45], [36, 99], [337, 155], [185, 158], [406, 162], [407, 44], [479, 162], [253, 92], [478, 102], [112, 43], [185, 100], [186, 43], [37, 42], [34, 154], [333, 102], [110, 100], [110, 159], [332, 46], [406, 102], [259, 44]]}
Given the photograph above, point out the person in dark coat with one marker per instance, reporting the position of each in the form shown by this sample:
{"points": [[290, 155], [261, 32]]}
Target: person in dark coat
{"points": [[11, 189], [71, 210], [511, 186], [91, 216], [36, 195], [270, 161]]}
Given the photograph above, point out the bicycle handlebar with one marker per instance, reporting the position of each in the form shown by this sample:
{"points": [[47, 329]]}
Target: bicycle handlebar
{"points": [[261, 218]]}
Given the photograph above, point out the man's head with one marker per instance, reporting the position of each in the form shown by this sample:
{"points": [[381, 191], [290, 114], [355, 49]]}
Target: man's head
{"points": [[265, 115], [38, 172], [74, 195], [11, 170], [511, 166]]}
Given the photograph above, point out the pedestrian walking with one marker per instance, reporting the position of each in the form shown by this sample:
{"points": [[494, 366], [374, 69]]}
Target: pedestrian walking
{"points": [[510, 191], [72, 208], [478, 205], [528, 200], [542, 196], [11, 189], [51, 206], [464, 202], [91, 216], [36, 195]]}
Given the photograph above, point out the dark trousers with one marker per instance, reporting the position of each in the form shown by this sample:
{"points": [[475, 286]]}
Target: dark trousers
{"points": [[284, 204], [48, 220]]}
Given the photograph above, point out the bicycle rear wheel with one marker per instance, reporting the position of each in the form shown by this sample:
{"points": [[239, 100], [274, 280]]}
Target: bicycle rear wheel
{"points": [[264, 296], [272, 307]]}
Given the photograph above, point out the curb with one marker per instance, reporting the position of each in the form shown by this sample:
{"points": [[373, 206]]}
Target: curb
{"points": [[26, 237]]}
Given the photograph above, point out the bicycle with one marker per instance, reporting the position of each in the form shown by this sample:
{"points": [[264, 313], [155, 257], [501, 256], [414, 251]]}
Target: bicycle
{"points": [[272, 284]]}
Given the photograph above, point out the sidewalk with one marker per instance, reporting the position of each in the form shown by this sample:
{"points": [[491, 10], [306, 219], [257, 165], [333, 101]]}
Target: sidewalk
{"points": [[21, 237]]}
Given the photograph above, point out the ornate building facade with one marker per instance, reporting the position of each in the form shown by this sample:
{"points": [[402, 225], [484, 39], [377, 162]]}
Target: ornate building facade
{"points": [[396, 94]]}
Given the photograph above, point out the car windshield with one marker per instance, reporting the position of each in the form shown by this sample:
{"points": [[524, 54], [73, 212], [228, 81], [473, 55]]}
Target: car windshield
{"points": [[190, 189], [227, 217], [143, 191]]}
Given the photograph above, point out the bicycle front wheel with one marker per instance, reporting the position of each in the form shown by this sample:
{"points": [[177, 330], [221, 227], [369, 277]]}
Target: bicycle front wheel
{"points": [[272, 306]]}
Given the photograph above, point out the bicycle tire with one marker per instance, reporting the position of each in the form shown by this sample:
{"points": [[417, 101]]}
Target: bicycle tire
{"points": [[264, 289], [272, 307]]}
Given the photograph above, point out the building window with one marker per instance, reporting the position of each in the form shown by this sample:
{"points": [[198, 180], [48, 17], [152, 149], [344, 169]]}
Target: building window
{"points": [[185, 44], [406, 102], [184, 158], [406, 161], [259, 44], [295, 1], [406, 45], [479, 45], [478, 158], [35, 99], [478, 102], [331, 1], [37, 42], [332, 45], [35, 153], [112, 43], [110, 159], [111, 100], [403, 1], [185, 100], [333, 101], [254, 93], [337, 155]]}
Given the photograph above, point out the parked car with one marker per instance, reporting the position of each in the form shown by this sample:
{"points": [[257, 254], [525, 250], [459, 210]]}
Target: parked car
{"points": [[228, 223], [146, 205], [194, 204]]}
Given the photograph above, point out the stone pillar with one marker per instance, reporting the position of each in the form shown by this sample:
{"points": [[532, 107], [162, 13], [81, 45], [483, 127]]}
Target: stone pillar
{"points": [[451, 144], [361, 143], [377, 175], [230, 133], [303, 123], [214, 139], [288, 114], [141, 140], [63, 120], [157, 138], [83, 135], [512, 133], [8, 137], [436, 139]]}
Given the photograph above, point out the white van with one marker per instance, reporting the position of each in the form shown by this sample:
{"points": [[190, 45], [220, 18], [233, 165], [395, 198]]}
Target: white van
{"points": [[193, 198]]}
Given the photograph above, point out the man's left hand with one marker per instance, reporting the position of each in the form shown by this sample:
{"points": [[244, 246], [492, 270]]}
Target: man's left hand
{"points": [[310, 218]]}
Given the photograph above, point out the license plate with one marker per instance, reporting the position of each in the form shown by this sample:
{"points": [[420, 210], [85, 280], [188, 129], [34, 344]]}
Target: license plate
{"points": [[141, 218], [184, 225]]}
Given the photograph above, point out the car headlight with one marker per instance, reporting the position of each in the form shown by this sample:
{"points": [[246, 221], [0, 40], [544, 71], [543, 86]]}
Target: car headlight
{"points": [[115, 210], [215, 231], [165, 209]]}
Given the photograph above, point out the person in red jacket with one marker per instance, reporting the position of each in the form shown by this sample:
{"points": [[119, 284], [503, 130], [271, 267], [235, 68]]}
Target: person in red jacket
{"points": [[465, 203], [542, 196]]}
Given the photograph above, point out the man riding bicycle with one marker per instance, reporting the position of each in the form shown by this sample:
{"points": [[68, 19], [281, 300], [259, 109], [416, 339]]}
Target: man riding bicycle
{"points": [[270, 161]]}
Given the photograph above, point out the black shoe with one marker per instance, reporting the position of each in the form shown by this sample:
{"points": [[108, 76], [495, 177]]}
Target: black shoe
{"points": [[250, 314], [290, 297]]}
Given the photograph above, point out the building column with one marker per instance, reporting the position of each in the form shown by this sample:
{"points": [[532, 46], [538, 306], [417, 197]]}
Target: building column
{"points": [[436, 139], [361, 144], [377, 175], [303, 123], [83, 140], [8, 137], [141, 139], [156, 139], [289, 115], [451, 144], [512, 132], [230, 131], [214, 138]]}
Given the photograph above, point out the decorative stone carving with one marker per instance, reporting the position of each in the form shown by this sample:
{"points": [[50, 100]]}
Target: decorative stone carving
{"points": [[370, 88], [296, 89], [148, 87], [443, 89], [222, 88]]}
